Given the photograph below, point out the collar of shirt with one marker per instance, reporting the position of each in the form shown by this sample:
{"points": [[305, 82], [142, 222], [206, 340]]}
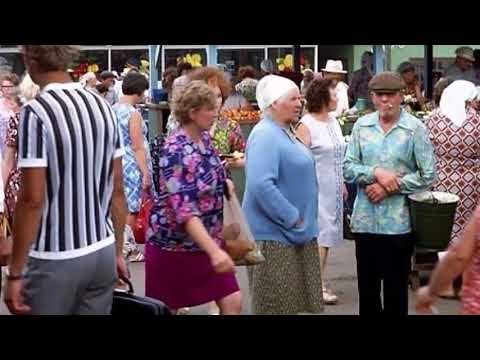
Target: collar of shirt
{"points": [[62, 86], [404, 121], [187, 140]]}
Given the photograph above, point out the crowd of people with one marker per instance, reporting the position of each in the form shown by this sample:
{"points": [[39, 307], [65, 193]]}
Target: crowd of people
{"points": [[78, 167]]}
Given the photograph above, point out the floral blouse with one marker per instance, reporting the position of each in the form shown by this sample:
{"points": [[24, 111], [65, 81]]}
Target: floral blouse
{"points": [[191, 183], [406, 150], [228, 136]]}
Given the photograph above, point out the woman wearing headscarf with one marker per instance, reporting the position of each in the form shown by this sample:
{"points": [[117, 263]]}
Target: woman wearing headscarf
{"points": [[280, 204], [454, 131]]}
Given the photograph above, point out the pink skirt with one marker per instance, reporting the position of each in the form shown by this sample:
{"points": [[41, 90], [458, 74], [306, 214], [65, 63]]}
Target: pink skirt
{"points": [[184, 279]]}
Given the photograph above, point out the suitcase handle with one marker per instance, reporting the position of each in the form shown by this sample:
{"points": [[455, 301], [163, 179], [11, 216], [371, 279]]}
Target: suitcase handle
{"points": [[129, 283]]}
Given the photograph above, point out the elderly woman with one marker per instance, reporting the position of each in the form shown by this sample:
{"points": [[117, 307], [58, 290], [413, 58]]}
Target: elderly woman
{"points": [[186, 264], [281, 206], [89, 81], [389, 157], [320, 131], [10, 172], [454, 129], [248, 83], [413, 91], [8, 105], [462, 257]]}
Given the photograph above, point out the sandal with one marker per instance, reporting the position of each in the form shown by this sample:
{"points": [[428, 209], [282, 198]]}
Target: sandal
{"points": [[183, 311], [136, 256], [329, 298]]}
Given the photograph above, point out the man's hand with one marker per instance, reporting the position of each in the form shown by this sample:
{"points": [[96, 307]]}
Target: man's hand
{"points": [[122, 268], [387, 179], [14, 298], [376, 193]]}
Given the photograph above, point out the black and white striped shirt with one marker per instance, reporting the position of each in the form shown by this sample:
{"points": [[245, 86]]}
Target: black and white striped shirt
{"points": [[73, 133]]}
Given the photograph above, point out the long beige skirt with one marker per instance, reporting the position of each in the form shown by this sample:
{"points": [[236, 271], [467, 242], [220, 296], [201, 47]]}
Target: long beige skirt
{"points": [[289, 282]]}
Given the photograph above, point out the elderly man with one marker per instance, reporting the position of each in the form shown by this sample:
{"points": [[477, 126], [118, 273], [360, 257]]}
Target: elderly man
{"points": [[462, 68], [358, 88], [108, 79], [389, 157]]}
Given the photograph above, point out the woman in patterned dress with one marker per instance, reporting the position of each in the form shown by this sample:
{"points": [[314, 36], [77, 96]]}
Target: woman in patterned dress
{"points": [[10, 173], [455, 133], [462, 257], [8, 105], [186, 264], [322, 133], [136, 162]]}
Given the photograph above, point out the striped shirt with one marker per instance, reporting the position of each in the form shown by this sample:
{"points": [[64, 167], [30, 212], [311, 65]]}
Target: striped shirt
{"points": [[73, 133]]}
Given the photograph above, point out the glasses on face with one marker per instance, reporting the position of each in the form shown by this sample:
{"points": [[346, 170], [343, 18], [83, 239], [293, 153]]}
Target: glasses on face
{"points": [[8, 86]]}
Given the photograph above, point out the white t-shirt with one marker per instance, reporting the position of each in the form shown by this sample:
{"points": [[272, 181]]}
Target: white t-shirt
{"points": [[342, 99]]}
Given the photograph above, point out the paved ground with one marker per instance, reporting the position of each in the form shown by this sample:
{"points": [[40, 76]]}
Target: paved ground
{"points": [[341, 275]]}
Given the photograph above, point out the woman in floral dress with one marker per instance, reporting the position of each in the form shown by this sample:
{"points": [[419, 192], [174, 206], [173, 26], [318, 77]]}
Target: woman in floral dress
{"points": [[186, 264]]}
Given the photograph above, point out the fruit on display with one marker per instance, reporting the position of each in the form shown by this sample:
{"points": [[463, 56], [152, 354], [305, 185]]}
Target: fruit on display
{"points": [[193, 59], [241, 115]]}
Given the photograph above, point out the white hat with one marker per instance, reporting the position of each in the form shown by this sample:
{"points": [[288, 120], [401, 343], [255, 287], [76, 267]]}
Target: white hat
{"points": [[271, 88], [334, 66]]}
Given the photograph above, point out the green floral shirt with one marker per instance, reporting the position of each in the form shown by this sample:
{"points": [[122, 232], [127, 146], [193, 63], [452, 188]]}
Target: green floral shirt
{"points": [[406, 150], [228, 137]]}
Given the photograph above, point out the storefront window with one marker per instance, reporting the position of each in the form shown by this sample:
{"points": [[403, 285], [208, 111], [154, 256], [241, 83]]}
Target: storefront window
{"points": [[234, 58], [95, 61], [120, 58], [283, 60], [197, 57]]}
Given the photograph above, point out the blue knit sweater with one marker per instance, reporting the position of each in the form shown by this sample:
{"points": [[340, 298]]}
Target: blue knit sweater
{"points": [[281, 186]]}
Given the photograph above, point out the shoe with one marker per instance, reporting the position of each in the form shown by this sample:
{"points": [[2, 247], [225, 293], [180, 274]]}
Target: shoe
{"points": [[136, 256], [329, 298], [183, 311]]}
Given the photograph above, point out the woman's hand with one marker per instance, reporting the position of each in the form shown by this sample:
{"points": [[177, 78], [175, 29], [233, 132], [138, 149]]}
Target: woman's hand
{"points": [[424, 301], [146, 183], [222, 262], [345, 193], [376, 193]]}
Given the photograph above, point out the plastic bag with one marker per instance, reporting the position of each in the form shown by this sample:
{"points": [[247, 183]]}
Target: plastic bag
{"points": [[141, 224], [240, 244], [6, 243]]}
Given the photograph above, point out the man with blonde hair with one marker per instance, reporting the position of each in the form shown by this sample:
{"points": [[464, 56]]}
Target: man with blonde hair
{"points": [[71, 190]]}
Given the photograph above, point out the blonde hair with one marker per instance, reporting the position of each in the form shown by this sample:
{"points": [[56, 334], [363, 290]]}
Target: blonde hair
{"points": [[28, 89], [196, 95], [51, 57]]}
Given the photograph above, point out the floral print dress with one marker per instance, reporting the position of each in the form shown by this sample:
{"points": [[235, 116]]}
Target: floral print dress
{"points": [[13, 184], [227, 136]]}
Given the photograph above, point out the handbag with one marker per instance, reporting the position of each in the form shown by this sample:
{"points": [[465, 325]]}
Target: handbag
{"points": [[347, 222], [127, 303], [6, 243], [142, 222]]}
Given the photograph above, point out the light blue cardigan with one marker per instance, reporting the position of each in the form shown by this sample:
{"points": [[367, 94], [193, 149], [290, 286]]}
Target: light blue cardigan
{"points": [[281, 186]]}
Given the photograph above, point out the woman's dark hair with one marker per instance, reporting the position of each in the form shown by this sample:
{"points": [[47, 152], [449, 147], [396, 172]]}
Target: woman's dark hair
{"points": [[404, 67], [102, 88], [318, 94], [183, 66], [246, 72], [134, 84]]}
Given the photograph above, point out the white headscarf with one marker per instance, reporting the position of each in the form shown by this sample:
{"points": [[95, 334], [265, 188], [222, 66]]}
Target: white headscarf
{"points": [[271, 88], [452, 103]]}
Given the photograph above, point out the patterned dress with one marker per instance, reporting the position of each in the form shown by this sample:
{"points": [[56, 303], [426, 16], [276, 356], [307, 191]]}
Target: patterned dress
{"points": [[328, 148], [132, 176], [13, 184], [457, 150], [191, 183], [5, 115], [471, 286]]}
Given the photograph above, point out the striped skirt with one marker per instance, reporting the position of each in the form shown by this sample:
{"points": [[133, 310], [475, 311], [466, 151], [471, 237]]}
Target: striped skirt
{"points": [[288, 282]]}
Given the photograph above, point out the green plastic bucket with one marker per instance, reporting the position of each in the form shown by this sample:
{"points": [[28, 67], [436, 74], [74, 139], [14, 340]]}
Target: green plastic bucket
{"points": [[432, 215]]}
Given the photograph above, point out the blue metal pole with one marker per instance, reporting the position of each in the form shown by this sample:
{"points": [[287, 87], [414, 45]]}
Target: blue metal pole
{"points": [[212, 55], [379, 55]]}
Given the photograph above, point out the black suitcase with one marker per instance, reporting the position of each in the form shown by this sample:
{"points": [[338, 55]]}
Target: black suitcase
{"points": [[127, 303]]}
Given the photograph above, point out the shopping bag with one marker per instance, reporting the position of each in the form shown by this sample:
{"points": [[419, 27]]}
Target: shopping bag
{"points": [[141, 224], [239, 241]]}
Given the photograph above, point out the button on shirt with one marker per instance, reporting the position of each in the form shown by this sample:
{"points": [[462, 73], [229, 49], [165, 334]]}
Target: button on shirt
{"points": [[406, 150]]}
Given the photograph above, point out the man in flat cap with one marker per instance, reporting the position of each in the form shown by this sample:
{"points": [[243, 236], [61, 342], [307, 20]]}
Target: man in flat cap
{"points": [[389, 157], [462, 68]]}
